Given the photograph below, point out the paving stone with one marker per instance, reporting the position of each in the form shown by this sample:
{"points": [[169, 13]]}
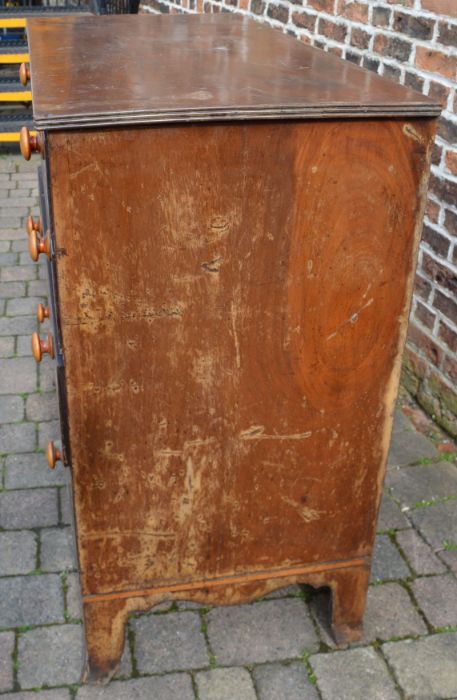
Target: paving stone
{"points": [[450, 558], [5, 246], [28, 508], [42, 407], [74, 605], [437, 596], [50, 656], [11, 409], [18, 552], [266, 631], [420, 556], [390, 516], [23, 346], [225, 684], [8, 259], [23, 307], [6, 346], [19, 246], [17, 273], [354, 674], [65, 506], [17, 375], [169, 642], [55, 694], [16, 437], [425, 668], [12, 234], [29, 470], [12, 290], [47, 376], [38, 288], [49, 430], [410, 447], [288, 681], [413, 485], [401, 422], [387, 561], [30, 600], [437, 523], [287, 591], [176, 686], [17, 325], [57, 549], [6, 661]]}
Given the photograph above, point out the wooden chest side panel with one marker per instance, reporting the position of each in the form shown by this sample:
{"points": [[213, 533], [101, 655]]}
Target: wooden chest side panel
{"points": [[233, 303]]}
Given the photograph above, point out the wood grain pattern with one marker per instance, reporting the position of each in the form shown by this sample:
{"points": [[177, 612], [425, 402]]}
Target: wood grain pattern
{"points": [[195, 67]]}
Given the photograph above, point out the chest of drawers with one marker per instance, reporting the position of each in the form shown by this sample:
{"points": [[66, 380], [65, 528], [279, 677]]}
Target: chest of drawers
{"points": [[231, 220]]}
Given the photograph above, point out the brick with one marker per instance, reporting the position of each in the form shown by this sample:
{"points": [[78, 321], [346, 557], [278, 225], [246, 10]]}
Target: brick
{"points": [[415, 27], [23, 307], [17, 375], [50, 656], [436, 62], [57, 549], [356, 674], [437, 153], [265, 631], [420, 556], [225, 684], [447, 34], [424, 315], [414, 81], [425, 668], [30, 600], [19, 550], [9, 290], [371, 64], [28, 508], [450, 222], [451, 162], [390, 516], [332, 30], [18, 273], [447, 129], [410, 447], [392, 47], [289, 681], [437, 524], [353, 10], [450, 369], [440, 274], [29, 470], [6, 661], [424, 483], [21, 325], [176, 686], [439, 93], [304, 20], [391, 72], [169, 642], [11, 409], [353, 57], [17, 436], [387, 563], [381, 16], [432, 211], [448, 336], [279, 13], [321, 5], [446, 305], [422, 340], [360, 38], [6, 347]]}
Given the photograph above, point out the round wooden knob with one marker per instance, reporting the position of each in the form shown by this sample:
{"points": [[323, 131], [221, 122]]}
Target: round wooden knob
{"points": [[53, 455], [34, 225], [42, 312], [24, 73], [40, 347], [38, 245], [29, 143]]}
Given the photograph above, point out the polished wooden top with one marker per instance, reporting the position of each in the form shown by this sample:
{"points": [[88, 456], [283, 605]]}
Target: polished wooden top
{"points": [[140, 69]]}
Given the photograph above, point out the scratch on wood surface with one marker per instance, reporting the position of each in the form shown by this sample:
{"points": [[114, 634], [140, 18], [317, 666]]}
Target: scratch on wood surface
{"points": [[353, 318], [235, 335], [257, 432], [411, 132], [308, 514]]}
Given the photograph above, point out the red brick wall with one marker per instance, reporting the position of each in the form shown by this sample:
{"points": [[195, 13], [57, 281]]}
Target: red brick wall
{"points": [[413, 42]]}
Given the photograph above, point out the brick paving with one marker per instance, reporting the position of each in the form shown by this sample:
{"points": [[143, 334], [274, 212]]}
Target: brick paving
{"points": [[275, 649]]}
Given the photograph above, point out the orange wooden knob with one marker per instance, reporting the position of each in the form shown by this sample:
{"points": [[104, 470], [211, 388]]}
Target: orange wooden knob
{"points": [[42, 312], [53, 455], [24, 73], [29, 143], [38, 245], [34, 225], [40, 347]]}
